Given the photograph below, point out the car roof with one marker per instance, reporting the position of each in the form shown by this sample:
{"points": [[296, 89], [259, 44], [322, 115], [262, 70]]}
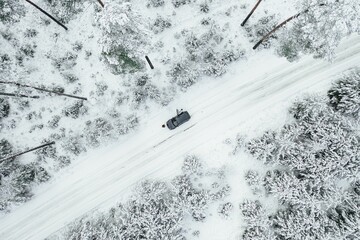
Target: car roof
{"points": [[183, 116]]}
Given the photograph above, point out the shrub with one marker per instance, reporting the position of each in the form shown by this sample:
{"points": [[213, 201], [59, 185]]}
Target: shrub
{"points": [[252, 178], [225, 209], [204, 7], [192, 165], [288, 48], [77, 46], [194, 200], [11, 11], [68, 61], [47, 152], [16, 181], [265, 148], [160, 24], [63, 161], [251, 210], [183, 74], [155, 3], [205, 21], [256, 232], [139, 95], [178, 3], [75, 110], [30, 33], [74, 145], [65, 10], [121, 98], [124, 126], [101, 87], [229, 56], [28, 50], [31, 173], [221, 193], [5, 148], [258, 30], [69, 77], [5, 63], [97, 131], [122, 61], [4, 108]]}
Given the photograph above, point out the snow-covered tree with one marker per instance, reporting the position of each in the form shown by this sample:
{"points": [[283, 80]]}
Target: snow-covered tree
{"points": [[345, 94], [160, 24], [75, 110], [346, 215], [11, 11], [310, 155], [259, 29], [184, 74], [97, 131], [65, 10], [257, 222], [123, 39], [320, 27], [302, 224], [192, 199], [152, 212]]}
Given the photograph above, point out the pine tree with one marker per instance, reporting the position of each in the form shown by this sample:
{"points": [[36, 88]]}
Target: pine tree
{"points": [[123, 37], [345, 94]]}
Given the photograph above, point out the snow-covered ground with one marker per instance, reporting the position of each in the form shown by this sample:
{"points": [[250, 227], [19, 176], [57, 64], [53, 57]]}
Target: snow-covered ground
{"points": [[246, 100]]}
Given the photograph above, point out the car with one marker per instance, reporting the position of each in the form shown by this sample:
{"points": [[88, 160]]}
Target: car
{"points": [[179, 119]]}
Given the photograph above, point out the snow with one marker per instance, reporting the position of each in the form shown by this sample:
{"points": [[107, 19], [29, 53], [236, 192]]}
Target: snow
{"points": [[248, 99]]}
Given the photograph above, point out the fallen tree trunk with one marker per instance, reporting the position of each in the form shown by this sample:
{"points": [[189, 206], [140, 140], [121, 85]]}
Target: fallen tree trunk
{"points": [[17, 95], [149, 62], [44, 90], [283, 23], [101, 3], [274, 30], [47, 14], [251, 12], [30, 150]]}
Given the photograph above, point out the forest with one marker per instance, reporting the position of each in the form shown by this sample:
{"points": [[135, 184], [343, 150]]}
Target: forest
{"points": [[73, 77]]}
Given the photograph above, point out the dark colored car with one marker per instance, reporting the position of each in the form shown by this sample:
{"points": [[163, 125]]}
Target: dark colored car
{"points": [[178, 120]]}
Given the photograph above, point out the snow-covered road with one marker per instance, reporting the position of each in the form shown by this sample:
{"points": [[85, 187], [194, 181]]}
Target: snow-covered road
{"points": [[216, 107]]}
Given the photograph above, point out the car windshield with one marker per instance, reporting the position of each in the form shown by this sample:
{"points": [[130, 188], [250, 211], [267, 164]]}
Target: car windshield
{"points": [[174, 122]]}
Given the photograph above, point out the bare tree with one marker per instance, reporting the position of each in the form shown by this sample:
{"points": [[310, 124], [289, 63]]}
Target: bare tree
{"points": [[30, 150], [251, 12], [44, 90], [47, 14]]}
